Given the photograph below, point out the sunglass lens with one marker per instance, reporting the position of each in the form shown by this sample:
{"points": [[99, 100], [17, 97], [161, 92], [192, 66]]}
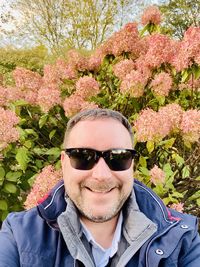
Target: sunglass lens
{"points": [[82, 159], [119, 160]]}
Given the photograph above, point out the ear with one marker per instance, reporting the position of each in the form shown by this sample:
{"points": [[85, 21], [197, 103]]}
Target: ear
{"points": [[62, 157]]}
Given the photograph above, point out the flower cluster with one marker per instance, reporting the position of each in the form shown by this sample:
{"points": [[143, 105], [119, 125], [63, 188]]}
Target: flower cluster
{"points": [[125, 40], [179, 207], [151, 15], [190, 125], [133, 84], [65, 70], [51, 75], [75, 103], [48, 97], [157, 175], [154, 126], [122, 68], [27, 79], [188, 49], [86, 87], [161, 84], [8, 133], [44, 182], [76, 60], [161, 49], [172, 114], [149, 126]]}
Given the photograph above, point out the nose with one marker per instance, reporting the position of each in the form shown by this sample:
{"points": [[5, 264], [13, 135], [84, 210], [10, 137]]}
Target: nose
{"points": [[101, 170]]}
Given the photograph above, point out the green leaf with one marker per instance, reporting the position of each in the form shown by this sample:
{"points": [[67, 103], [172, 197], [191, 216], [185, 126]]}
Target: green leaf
{"points": [[159, 190], [39, 151], [177, 195], [28, 144], [43, 120], [55, 151], [3, 205], [4, 215], [150, 146], [22, 157], [13, 176], [2, 173], [186, 172], [185, 75], [32, 132], [167, 143], [187, 144], [142, 161], [179, 160], [52, 133], [144, 171], [168, 171], [161, 100], [166, 200], [10, 188], [196, 71], [58, 165]]}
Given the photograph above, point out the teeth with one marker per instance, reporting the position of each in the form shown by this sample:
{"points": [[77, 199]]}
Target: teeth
{"points": [[99, 191]]}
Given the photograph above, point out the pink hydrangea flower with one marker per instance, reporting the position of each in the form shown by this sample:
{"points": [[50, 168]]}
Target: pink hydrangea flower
{"points": [[86, 87], [151, 14], [190, 125], [161, 84], [43, 183], [188, 49], [48, 97], [125, 40], [161, 49], [72, 105], [30, 97], [95, 60], [157, 175], [65, 70], [177, 206], [133, 84], [122, 68], [76, 60], [51, 75], [8, 132], [27, 79], [76, 103], [172, 113], [150, 126], [191, 84]]}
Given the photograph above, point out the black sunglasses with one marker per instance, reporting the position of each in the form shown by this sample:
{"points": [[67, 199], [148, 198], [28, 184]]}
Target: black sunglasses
{"points": [[86, 158]]}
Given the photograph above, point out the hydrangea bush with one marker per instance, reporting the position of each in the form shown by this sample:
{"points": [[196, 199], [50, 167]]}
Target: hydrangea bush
{"points": [[149, 77]]}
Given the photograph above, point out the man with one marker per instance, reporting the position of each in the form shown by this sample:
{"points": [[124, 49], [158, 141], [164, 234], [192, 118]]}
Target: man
{"points": [[100, 216]]}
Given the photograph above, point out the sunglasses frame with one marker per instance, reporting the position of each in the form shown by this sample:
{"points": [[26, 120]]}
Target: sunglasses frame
{"points": [[105, 154]]}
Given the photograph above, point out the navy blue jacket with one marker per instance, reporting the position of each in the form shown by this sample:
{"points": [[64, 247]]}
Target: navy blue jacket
{"points": [[32, 238]]}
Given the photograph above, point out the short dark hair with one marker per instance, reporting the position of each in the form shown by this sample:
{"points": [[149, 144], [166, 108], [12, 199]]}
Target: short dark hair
{"points": [[97, 113]]}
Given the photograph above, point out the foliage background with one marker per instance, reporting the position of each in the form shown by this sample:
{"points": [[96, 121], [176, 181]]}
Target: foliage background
{"points": [[138, 71]]}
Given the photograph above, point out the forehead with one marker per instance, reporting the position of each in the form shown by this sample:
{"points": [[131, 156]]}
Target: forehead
{"points": [[100, 134]]}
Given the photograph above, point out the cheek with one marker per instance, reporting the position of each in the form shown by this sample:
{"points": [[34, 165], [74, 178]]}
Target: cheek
{"points": [[126, 178]]}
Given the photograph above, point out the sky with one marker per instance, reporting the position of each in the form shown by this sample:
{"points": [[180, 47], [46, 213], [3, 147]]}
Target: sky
{"points": [[4, 8]]}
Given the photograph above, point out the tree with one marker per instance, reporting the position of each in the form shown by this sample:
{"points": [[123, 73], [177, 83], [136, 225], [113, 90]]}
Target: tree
{"points": [[180, 15], [81, 24]]}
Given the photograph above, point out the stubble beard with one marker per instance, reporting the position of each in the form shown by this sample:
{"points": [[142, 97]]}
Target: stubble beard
{"points": [[88, 213]]}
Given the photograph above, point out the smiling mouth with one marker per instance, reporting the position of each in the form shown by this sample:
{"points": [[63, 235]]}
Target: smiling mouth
{"points": [[102, 191]]}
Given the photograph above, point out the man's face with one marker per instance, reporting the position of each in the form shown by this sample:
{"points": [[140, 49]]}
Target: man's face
{"points": [[98, 193]]}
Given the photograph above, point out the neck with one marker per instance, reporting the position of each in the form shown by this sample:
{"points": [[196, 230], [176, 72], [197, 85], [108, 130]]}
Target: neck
{"points": [[102, 232]]}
